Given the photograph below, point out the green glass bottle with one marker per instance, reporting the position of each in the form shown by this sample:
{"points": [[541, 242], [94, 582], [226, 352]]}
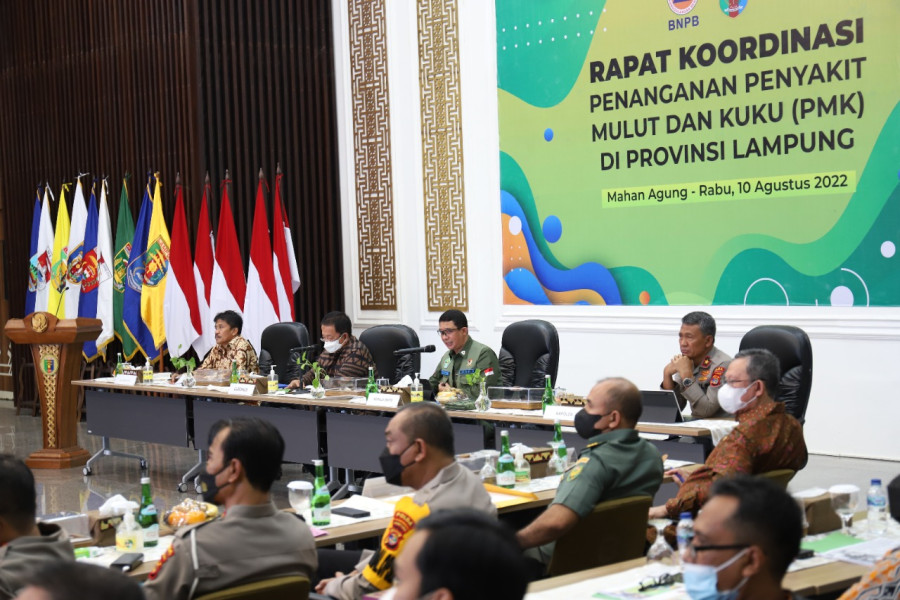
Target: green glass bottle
{"points": [[234, 372], [371, 386], [547, 399], [119, 368], [321, 500], [148, 518], [506, 464], [557, 432]]}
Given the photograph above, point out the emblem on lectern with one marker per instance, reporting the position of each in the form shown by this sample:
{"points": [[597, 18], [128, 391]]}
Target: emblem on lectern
{"points": [[49, 364], [39, 322]]}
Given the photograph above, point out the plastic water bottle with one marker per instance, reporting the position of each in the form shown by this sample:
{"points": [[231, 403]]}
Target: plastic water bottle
{"points": [[876, 500], [684, 533]]}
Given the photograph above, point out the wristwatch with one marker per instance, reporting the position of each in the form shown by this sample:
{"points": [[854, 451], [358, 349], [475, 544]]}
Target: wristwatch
{"points": [[687, 382]]}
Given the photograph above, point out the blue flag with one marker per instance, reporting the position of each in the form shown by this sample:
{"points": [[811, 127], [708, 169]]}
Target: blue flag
{"points": [[90, 273], [33, 271], [134, 281]]}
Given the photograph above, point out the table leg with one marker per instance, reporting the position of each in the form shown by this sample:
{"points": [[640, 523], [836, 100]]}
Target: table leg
{"points": [[105, 450]]}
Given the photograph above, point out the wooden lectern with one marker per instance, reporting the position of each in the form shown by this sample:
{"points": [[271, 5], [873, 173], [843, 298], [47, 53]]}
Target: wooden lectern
{"points": [[56, 348]]}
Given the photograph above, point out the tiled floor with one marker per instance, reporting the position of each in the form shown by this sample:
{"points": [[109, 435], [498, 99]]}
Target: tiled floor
{"points": [[70, 490]]}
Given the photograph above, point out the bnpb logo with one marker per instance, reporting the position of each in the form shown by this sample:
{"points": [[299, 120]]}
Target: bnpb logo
{"points": [[682, 7]]}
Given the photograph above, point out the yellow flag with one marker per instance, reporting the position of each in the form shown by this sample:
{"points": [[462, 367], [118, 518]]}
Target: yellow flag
{"points": [[56, 302], [156, 267]]}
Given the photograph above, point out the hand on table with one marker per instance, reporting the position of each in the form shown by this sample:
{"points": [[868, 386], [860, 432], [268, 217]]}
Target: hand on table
{"points": [[655, 512], [294, 384]]}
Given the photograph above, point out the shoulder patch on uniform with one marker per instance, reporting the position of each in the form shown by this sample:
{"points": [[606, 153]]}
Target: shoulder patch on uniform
{"points": [[575, 472], [716, 379]]}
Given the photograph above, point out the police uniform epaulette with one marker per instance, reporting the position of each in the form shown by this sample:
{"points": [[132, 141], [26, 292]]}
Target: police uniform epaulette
{"points": [[592, 444], [186, 530]]}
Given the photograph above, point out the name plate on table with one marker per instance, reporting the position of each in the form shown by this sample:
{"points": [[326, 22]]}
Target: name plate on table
{"points": [[241, 389], [123, 379], [561, 412], [391, 400]]}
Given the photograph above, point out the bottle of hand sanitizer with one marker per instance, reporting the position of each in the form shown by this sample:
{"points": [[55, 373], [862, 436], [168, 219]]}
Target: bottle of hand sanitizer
{"points": [[273, 381], [129, 535], [415, 390]]}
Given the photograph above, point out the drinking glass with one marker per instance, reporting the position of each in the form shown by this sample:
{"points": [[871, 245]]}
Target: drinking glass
{"points": [[299, 494], [844, 498], [661, 552]]}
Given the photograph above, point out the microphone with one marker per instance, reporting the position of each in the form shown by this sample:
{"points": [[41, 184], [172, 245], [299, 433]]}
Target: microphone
{"points": [[305, 348], [402, 351]]}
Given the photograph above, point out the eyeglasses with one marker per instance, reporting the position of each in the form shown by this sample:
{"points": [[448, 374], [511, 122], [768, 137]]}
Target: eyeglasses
{"points": [[648, 583], [446, 332], [692, 550]]}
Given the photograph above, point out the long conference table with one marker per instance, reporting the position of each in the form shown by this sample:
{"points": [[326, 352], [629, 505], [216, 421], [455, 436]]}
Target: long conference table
{"points": [[349, 433], [815, 581]]}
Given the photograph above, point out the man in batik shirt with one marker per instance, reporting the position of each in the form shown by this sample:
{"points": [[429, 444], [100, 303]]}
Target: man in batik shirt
{"points": [[230, 346], [765, 439]]}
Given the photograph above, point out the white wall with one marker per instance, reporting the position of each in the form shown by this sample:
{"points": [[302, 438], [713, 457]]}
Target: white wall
{"points": [[854, 408]]}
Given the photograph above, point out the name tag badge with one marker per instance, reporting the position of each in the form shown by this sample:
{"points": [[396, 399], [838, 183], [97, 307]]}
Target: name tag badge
{"points": [[389, 400], [445, 373], [123, 379], [561, 412], [466, 371], [241, 389]]}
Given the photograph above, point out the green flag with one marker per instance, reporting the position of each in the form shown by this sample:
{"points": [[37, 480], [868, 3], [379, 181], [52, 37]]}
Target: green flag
{"points": [[124, 235]]}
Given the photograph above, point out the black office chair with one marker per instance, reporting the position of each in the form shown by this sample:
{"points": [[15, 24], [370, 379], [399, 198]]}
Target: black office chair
{"points": [[791, 345], [382, 340], [528, 351], [276, 343]]}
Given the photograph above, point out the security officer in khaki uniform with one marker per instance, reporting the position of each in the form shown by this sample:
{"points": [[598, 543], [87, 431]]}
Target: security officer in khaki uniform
{"points": [[697, 374], [253, 541], [463, 358], [616, 463], [419, 453]]}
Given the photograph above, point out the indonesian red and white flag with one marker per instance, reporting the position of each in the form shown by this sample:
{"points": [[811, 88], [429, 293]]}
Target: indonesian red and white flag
{"points": [[229, 287], [72, 290], [287, 279], [261, 303], [181, 312], [203, 274]]}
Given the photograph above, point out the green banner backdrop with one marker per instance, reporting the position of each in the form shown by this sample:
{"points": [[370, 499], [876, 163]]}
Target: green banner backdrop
{"points": [[699, 151]]}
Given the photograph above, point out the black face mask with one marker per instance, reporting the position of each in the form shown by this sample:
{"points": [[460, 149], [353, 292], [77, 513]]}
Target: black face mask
{"points": [[208, 487], [584, 423], [391, 465]]}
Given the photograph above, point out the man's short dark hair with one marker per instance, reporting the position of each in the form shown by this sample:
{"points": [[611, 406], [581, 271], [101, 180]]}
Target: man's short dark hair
{"points": [[257, 444], [703, 319], [17, 495], [232, 318], [624, 397], [430, 422], [340, 321], [472, 555], [762, 365], [766, 516], [457, 316], [75, 581]]}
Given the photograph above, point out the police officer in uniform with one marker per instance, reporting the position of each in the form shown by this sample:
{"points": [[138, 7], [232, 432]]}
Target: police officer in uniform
{"points": [[698, 373], [463, 358], [253, 541], [616, 463]]}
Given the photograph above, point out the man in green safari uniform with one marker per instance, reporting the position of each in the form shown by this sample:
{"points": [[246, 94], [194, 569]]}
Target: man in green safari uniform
{"points": [[463, 358]]}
